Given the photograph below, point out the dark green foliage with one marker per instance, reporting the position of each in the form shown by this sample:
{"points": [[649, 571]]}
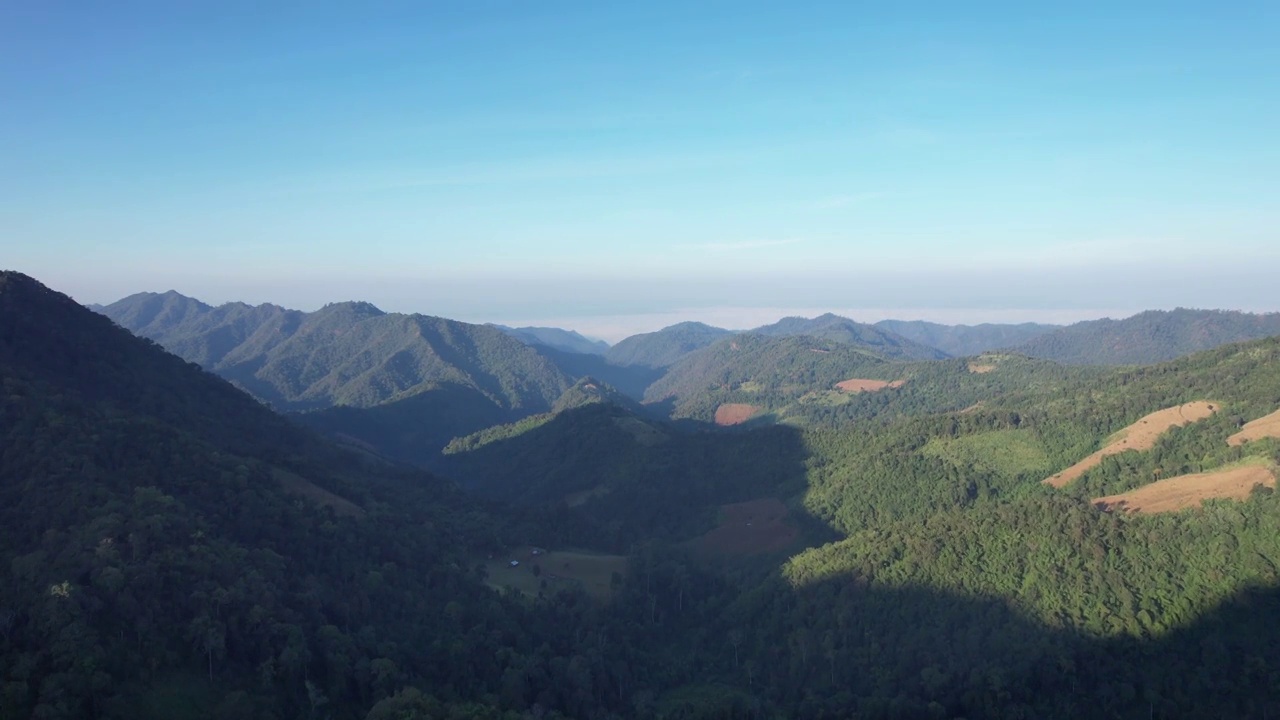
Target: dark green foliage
{"points": [[966, 340], [664, 347], [1149, 337], [885, 343]]}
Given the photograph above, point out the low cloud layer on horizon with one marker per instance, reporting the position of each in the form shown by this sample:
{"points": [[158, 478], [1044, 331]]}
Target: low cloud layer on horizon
{"points": [[613, 307]]}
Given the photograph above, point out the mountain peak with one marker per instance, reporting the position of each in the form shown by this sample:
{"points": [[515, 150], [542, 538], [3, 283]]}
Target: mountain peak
{"points": [[358, 308]]}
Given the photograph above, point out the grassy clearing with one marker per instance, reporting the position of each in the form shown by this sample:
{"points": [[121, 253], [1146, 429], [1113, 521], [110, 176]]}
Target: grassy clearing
{"points": [[580, 498], [750, 528], [299, 485], [553, 570], [1005, 452], [643, 432]]}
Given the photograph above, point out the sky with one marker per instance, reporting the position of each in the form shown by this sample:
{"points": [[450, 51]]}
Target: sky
{"points": [[614, 167]]}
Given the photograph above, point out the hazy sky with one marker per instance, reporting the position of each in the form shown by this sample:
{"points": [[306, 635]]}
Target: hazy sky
{"points": [[619, 163]]}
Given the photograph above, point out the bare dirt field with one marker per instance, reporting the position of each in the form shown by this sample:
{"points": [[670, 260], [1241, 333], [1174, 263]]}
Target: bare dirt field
{"points": [[750, 528], [981, 368], [1139, 436], [1267, 426], [1186, 491], [854, 385], [735, 413]]}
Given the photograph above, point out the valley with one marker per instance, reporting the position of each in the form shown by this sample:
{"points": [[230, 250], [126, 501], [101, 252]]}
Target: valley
{"points": [[761, 523]]}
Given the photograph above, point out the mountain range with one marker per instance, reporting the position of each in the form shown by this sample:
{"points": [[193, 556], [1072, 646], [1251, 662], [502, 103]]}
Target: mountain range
{"points": [[893, 545], [405, 386]]}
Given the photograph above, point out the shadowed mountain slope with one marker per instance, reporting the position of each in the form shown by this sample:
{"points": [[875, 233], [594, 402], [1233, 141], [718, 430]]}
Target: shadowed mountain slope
{"points": [[566, 340]]}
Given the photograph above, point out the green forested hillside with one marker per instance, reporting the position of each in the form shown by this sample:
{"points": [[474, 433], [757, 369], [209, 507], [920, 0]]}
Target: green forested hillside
{"points": [[884, 342], [666, 346], [402, 384], [782, 366], [966, 340], [350, 354], [1149, 337], [173, 549]]}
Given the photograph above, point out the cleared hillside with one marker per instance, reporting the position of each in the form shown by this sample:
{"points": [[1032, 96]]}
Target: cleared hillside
{"points": [[1189, 491], [1141, 435]]}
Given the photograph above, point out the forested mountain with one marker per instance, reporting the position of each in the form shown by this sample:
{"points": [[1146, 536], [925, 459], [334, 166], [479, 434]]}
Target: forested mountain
{"points": [[768, 368], [567, 340], [966, 340], [666, 346], [347, 353], [403, 384], [173, 549], [1149, 337], [885, 343]]}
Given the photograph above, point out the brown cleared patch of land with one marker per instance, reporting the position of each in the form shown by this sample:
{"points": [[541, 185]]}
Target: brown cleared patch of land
{"points": [[299, 485], [593, 572], [750, 528], [1186, 491], [855, 385], [1267, 426], [1139, 436], [735, 413], [981, 368]]}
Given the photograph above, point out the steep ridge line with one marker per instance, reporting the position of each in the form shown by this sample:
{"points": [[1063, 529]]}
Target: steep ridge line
{"points": [[1141, 435]]}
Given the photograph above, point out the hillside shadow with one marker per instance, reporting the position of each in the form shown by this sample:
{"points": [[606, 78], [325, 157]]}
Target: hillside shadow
{"points": [[630, 380], [838, 649], [617, 478], [412, 430]]}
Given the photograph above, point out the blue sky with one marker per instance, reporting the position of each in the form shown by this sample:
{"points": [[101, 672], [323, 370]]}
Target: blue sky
{"points": [[616, 165]]}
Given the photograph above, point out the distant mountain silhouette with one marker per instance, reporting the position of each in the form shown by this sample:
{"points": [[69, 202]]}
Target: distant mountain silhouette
{"points": [[560, 339], [666, 346], [1149, 337], [886, 343], [966, 340]]}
